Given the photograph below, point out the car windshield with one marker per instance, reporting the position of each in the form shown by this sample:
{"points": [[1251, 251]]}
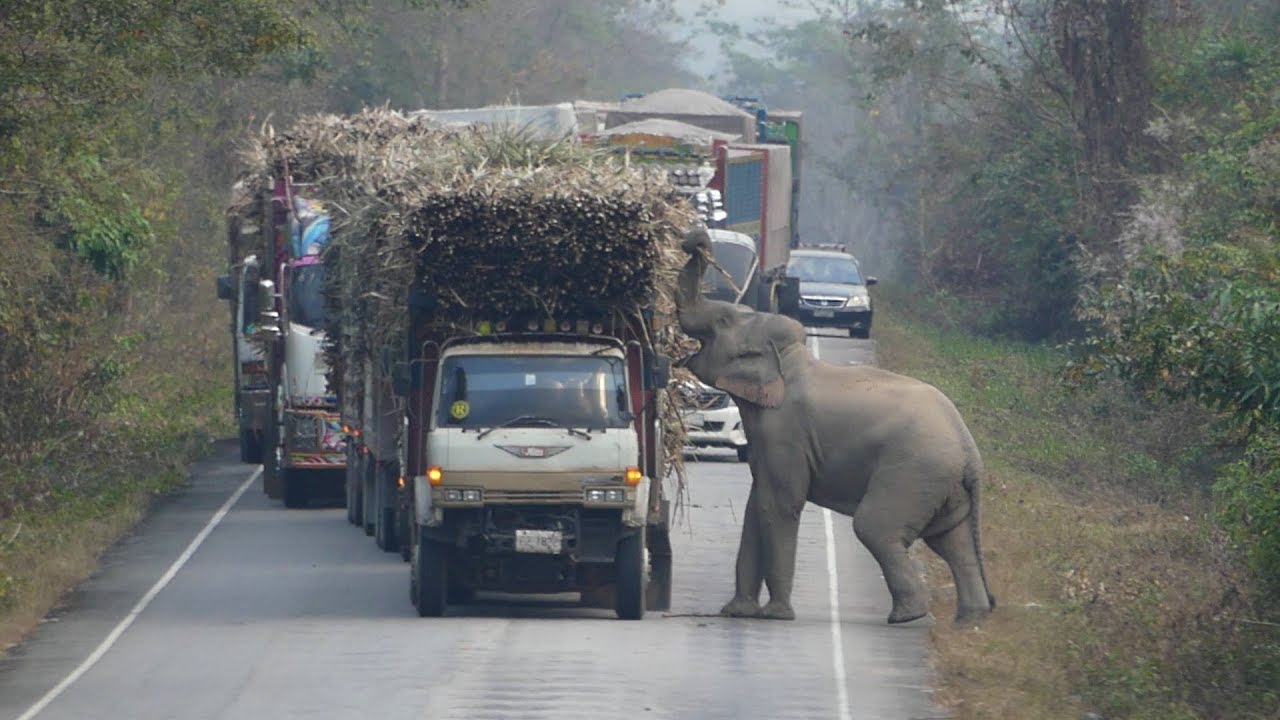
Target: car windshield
{"points": [[736, 260], [825, 268], [306, 296], [483, 391]]}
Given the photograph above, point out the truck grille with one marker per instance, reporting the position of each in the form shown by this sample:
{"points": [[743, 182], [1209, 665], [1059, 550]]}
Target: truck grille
{"points": [[533, 496], [823, 302]]}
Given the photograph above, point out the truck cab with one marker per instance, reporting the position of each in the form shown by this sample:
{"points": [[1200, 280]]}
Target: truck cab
{"points": [[536, 479]]}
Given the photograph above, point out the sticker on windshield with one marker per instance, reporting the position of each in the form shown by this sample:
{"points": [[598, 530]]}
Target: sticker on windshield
{"points": [[460, 409], [530, 379]]}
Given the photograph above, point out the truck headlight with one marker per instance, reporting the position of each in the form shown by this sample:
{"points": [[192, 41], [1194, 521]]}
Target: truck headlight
{"points": [[462, 495], [861, 302], [606, 495]]}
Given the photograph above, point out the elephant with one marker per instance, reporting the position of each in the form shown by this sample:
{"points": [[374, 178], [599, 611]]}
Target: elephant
{"points": [[890, 451]]}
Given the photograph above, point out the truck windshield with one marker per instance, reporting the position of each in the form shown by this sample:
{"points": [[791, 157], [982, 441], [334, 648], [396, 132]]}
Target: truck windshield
{"points": [[482, 391], [306, 295], [736, 260]]}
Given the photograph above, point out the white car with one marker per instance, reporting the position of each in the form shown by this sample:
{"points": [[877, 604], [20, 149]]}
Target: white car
{"points": [[713, 421]]}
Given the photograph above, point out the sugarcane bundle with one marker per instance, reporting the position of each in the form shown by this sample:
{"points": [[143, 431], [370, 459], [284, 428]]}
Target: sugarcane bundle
{"points": [[480, 224]]}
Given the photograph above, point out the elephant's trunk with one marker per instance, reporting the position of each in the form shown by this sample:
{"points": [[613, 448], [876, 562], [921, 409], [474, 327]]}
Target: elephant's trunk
{"points": [[695, 315]]}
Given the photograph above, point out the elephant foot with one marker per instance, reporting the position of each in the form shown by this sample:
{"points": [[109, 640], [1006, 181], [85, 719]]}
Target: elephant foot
{"points": [[971, 616], [906, 612], [777, 610], [741, 607]]}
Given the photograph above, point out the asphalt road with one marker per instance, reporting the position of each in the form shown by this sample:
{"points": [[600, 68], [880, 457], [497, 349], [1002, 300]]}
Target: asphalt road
{"points": [[295, 614]]}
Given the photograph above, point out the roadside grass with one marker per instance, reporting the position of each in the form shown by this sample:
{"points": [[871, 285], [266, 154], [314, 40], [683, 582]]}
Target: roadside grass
{"points": [[1117, 593], [174, 402]]}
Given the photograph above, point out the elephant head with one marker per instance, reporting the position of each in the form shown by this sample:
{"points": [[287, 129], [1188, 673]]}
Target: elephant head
{"points": [[742, 350]]}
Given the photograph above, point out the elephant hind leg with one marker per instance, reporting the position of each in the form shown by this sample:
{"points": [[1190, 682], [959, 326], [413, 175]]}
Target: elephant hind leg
{"points": [[957, 547], [888, 542]]}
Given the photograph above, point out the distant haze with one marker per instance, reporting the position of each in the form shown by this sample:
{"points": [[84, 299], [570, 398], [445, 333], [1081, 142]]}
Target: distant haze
{"points": [[707, 60]]}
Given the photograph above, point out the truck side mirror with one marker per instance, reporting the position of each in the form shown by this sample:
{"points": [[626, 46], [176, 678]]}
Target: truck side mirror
{"points": [[659, 372], [225, 291], [871, 281]]}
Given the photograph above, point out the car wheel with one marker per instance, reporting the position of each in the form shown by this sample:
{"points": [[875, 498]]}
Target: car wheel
{"points": [[744, 453]]}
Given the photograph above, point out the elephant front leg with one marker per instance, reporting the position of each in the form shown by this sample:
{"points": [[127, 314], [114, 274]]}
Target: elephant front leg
{"points": [[782, 529], [748, 573]]}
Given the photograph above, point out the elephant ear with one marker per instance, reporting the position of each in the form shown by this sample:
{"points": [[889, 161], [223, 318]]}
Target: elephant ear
{"points": [[754, 377]]}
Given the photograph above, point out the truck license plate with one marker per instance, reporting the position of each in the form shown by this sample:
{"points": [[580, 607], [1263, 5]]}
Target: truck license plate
{"points": [[694, 421], [824, 313], [546, 542]]}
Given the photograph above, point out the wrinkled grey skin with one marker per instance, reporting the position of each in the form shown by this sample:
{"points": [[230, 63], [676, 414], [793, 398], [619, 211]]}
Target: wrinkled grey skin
{"points": [[888, 450]]}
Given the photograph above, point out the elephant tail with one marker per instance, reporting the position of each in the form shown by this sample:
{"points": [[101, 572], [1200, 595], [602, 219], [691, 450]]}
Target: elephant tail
{"points": [[972, 481]]}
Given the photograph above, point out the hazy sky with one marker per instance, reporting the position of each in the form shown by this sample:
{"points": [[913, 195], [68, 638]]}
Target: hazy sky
{"points": [[747, 13]]}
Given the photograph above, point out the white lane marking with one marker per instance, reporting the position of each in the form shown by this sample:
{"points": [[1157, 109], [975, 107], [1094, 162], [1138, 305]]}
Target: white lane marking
{"points": [[119, 629], [833, 599]]}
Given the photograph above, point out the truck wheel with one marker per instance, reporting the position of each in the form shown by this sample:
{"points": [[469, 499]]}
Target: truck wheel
{"points": [[744, 453], [250, 447], [355, 511], [459, 594], [658, 594], [295, 487], [368, 502], [384, 532], [629, 570], [429, 577], [861, 334], [402, 531]]}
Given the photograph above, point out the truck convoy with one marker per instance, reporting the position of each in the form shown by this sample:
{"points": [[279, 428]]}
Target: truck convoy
{"points": [[465, 316], [288, 416], [500, 318]]}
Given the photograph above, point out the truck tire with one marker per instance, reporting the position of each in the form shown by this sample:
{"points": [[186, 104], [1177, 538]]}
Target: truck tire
{"points": [[629, 572], [368, 501], [860, 334], [402, 531], [384, 531], [429, 577], [355, 511], [250, 446], [295, 487], [658, 594], [272, 481]]}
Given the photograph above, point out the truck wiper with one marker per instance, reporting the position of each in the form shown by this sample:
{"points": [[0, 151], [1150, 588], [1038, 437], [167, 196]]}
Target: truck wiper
{"points": [[538, 419]]}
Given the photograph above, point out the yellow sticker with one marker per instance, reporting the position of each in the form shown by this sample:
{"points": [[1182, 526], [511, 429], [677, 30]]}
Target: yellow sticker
{"points": [[460, 409]]}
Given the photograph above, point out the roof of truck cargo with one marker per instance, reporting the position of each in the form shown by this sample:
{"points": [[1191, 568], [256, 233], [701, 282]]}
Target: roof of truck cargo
{"points": [[681, 101], [670, 128]]}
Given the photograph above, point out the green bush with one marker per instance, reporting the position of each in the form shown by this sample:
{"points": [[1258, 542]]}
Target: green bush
{"points": [[1248, 499]]}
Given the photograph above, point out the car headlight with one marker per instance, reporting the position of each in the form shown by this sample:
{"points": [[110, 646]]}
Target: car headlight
{"points": [[861, 302]]}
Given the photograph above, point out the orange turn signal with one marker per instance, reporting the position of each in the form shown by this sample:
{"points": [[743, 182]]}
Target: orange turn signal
{"points": [[435, 475], [633, 476], [400, 482]]}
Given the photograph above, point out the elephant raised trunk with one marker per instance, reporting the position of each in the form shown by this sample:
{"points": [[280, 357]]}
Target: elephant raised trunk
{"points": [[696, 314]]}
